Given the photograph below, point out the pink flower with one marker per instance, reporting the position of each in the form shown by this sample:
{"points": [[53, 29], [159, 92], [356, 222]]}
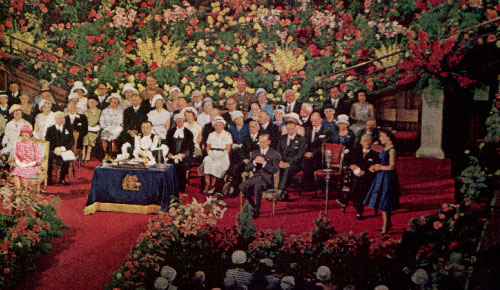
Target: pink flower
{"points": [[437, 225]]}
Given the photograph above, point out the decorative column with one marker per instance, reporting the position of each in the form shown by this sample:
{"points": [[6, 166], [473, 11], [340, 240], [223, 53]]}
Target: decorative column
{"points": [[431, 134]]}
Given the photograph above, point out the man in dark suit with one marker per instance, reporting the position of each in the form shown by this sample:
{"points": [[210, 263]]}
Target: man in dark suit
{"points": [[181, 148], [269, 128], [264, 162], [359, 161], [61, 140], [231, 104], [305, 114], [14, 93], [316, 136], [339, 105], [371, 129], [101, 96], [78, 123], [292, 105], [292, 147], [133, 117], [250, 143], [244, 98]]}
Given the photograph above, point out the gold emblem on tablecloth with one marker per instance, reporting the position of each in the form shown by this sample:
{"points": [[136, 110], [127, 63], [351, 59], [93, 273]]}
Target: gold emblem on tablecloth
{"points": [[131, 182]]}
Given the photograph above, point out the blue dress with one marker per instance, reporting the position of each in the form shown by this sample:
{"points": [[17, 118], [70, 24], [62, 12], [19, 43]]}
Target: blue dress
{"points": [[384, 192]]}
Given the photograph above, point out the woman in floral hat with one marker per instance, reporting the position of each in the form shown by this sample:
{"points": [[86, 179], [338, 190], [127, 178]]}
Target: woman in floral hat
{"points": [[28, 157]]}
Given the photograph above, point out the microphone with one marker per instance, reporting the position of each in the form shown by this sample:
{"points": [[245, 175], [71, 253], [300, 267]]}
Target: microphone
{"points": [[328, 158]]}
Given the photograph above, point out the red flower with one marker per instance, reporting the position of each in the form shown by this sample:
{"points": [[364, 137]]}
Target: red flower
{"points": [[453, 245], [90, 38], [127, 274], [8, 23], [128, 48], [314, 49], [6, 271], [43, 8], [92, 13], [130, 265], [110, 41], [154, 65], [187, 77], [138, 61], [343, 87], [70, 43], [74, 69]]}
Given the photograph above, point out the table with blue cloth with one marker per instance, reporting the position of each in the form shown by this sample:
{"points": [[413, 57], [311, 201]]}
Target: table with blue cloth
{"points": [[157, 186]]}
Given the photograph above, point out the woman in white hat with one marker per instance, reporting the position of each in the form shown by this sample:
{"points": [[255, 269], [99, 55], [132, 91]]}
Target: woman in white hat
{"points": [[204, 117], [43, 120], [195, 128], [216, 162], [111, 122], [295, 117], [159, 117], [12, 130], [279, 112], [80, 91], [261, 95], [344, 135], [173, 95], [128, 91]]}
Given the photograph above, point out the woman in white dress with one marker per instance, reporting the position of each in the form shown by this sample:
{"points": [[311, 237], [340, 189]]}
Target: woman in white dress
{"points": [[111, 122], [12, 131], [361, 111], [195, 128], [159, 117], [80, 91], [216, 162], [43, 120], [204, 118]]}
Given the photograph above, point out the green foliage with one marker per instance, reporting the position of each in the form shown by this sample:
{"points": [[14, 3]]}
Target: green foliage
{"points": [[246, 227], [473, 179], [493, 126]]}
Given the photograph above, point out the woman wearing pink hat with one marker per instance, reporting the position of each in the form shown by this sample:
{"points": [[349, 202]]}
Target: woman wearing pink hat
{"points": [[27, 157]]}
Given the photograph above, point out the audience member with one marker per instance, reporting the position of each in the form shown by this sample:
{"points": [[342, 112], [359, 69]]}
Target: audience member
{"points": [[61, 140], [207, 129], [170, 274], [152, 89], [111, 122], [27, 159], [305, 113], [359, 162], [159, 117], [93, 114], [264, 162], [371, 129], [250, 143], [231, 110], [204, 118], [173, 94], [254, 112], [101, 96], [269, 128], [287, 283], [241, 277], [78, 123], [197, 101], [47, 95], [4, 106], [27, 108], [279, 112], [238, 128], [143, 146], [361, 111], [216, 162], [13, 93], [197, 282], [133, 117], [316, 137], [12, 129], [243, 97], [190, 114], [44, 86], [181, 148], [344, 136], [300, 129], [81, 91], [341, 107], [128, 91], [329, 119], [261, 95], [384, 191], [43, 120], [292, 105], [292, 147], [324, 277]]}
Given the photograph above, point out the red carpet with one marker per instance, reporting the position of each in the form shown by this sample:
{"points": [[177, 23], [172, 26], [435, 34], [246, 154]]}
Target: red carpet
{"points": [[95, 246]]}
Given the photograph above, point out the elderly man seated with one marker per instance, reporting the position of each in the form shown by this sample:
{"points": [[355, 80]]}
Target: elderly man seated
{"points": [[144, 145]]}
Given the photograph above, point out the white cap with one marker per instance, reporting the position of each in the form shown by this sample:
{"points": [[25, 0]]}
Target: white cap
{"points": [[292, 117], [238, 256], [156, 98], [78, 85], [260, 90], [237, 114], [128, 87], [190, 109], [323, 273], [420, 277], [43, 102], [72, 96], [221, 120], [268, 262], [174, 88], [161, 283], [287, 282], [115, 96], [179, 116], [343, 119], [14, 108]]}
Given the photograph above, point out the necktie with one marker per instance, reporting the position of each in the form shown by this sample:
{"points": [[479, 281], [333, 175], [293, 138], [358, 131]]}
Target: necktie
{"points": [[365, 152], [313, 134], [288, 108], [335, 103], [288, 141]]}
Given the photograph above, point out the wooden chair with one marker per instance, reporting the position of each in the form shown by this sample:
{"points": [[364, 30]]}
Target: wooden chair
{"points": [[37, 180], [336, 163], [388, 118], [269, 194]]}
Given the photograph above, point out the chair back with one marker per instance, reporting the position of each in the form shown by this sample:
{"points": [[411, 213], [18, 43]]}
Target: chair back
{"points": [[337, 156], [44, 150], [407, 119]]}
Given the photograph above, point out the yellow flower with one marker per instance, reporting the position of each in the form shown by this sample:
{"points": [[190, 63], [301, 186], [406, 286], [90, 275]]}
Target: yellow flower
{"points": [[210, 92], [210, 20], [234, 68], [319, 91], [140, 87], [276, 84], [270, 96], [202, 53], [285, 61], [241, 20], [121, 85], [194, 69], [222, 91], [220, 18], [253, 7], [215, 84], [184, 81], [187, 90], [219, 67], [130, 79], [244, 61], [211, 78], [235, 56], [280, 91]]}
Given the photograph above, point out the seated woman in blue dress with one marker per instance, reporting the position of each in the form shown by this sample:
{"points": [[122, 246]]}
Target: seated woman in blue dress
{"points": [[344, 135], [384, 191]]}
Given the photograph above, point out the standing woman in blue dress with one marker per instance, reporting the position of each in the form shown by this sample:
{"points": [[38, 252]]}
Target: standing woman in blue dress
{"points": [[384, 191]]}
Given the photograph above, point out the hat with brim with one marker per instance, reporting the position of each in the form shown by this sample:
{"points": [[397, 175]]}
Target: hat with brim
{"points": [[173, 89], [190, 109], [287, 282], [78, 85], [280, 108], [328, 106], [15, 107], [342, 119], [4, 96], [292, 118], [42, 103], [73, 96], [128, 87], [26, 130], [179, 116], [219, 119], [114, 96], [168, 273], [238, 257], [323, 273], [156, 98], [207, 100], [237, 114]]}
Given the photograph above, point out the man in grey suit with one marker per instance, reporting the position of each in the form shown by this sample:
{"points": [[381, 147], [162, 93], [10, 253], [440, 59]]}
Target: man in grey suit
{"points": [[264, 163]]}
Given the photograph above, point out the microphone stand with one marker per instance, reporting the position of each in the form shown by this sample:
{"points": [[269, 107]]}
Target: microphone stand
{"points": [[327, 179]]}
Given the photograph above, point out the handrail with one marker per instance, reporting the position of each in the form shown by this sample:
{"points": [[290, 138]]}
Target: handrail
{"points": [[44, 50]]}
